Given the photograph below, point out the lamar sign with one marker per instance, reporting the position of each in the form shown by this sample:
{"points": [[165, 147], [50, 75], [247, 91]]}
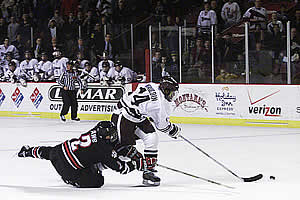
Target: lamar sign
{"points": [[91, 94]]}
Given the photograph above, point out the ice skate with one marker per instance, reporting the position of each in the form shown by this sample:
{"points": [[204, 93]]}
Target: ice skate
{"points": [[25, 152]]}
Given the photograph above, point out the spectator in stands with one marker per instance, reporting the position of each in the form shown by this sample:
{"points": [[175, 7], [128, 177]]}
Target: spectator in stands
{"points": [[109, 46], [96, 39], [58, 19], [156, 57], [79, 19], [174, 66], [273, 22], [68, 6], [3, 29], [206, 18], [54, 47], [260, 62], [25, 29], [88, 24], [155, 44], [12, 29], [106, 23], [231, 13], [121, 13], [105, 8], [39, 48], [296, 20], [196, 51], [282, 14], [256, 14], [20, 45], [217, 7], [229, 52], [256, 36], [70, 32], [54, 31], [160, 12], [275, 41]]}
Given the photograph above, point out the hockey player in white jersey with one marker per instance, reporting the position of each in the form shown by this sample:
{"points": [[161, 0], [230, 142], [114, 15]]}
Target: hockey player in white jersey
{"points": [[104, 58], [89, 74], [5, 47], [122, 74], [14, 74], [59, 63], [105, 78], [44, 70], [28, 66], [132, 118], [7, 60]]}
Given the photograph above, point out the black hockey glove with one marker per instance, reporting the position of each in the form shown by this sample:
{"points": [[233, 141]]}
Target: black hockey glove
{"points": [[175, 131], [130, 152], [126, 167]]}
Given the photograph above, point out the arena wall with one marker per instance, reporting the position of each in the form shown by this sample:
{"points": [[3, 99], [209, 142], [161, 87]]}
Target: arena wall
{"points": [[241, 105]]}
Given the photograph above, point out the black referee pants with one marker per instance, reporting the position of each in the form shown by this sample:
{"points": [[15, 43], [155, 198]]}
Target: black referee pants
{"points": [[69, 100]]}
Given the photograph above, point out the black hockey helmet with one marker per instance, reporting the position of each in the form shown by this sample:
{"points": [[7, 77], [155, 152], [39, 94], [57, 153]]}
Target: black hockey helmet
{"points": [[107, 131], [169, 87]]}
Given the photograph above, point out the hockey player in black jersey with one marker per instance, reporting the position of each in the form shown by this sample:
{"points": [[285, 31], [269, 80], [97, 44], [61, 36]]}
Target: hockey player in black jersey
{"points": [[77, 161]]}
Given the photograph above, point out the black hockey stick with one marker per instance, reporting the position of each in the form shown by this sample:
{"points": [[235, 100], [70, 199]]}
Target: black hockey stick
{"points": [[250, 179], [194, 176]]}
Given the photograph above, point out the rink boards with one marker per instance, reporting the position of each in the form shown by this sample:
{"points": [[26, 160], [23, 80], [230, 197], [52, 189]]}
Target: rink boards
{"points": [[246, 105]]}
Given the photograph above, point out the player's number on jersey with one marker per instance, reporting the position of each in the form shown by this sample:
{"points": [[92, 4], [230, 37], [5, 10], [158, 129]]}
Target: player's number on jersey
{"points": [[138, 99], [84, 141]]}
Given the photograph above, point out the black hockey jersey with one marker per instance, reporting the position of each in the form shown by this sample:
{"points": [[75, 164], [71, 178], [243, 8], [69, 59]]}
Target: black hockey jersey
{"points": [[89, 149]]}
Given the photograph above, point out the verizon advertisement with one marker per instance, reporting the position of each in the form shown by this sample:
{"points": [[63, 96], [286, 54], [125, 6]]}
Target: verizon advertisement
{"points": [[46, 97], [263, 102]]}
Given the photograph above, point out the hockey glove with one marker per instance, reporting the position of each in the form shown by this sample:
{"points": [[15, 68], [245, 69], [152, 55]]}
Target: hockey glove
{"points": [[126, 167], [130, 152], [175, 131]]}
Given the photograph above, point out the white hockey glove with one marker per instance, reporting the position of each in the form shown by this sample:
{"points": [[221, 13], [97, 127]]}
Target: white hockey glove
{"points": [[175, 131]]}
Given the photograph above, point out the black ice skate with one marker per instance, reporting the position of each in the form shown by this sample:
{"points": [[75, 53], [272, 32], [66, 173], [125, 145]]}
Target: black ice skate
{"points": [[25, 152], [149, 179]]}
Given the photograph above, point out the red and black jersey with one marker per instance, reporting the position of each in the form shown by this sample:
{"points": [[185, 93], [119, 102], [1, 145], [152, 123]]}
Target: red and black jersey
{"points": [[89, 149]]}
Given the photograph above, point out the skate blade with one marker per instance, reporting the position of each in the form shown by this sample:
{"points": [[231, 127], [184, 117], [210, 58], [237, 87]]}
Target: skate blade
{"points": [[150, 183]]}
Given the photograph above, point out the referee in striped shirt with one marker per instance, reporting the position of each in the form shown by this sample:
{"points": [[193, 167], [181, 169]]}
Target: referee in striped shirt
{"points": [[67, 81]]}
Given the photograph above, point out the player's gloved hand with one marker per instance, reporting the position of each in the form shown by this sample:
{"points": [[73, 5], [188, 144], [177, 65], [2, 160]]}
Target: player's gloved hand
{"points": [[139, 164], [129, 151], [126, 167], [175, 131]]}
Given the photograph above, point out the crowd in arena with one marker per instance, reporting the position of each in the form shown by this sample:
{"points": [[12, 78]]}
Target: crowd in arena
{"points": [[88, 32]]}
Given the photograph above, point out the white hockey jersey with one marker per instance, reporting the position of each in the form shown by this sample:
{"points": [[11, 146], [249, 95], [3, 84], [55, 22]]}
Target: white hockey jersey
{"points": [[13, 76], [46, 69], [29, 67], [111, 64], [147, 101], [126, 73], [91, 76], [205, 20], [5, 63], [10, 48], [106, 75], [82, 63], [231, 12], [59, 66]]}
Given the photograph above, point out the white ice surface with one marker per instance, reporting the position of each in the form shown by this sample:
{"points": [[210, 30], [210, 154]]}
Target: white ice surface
{"points": [[247, 151]]}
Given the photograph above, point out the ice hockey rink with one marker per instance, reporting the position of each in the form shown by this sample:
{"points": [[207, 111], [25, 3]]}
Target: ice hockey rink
{"points": [[247, 151]]}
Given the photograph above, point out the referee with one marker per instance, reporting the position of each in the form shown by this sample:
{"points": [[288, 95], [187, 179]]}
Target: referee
{"points": [[67, 81]]}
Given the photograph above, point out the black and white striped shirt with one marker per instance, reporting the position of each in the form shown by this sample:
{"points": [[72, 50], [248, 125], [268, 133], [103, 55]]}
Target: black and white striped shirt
{"points": [[68, 79]]}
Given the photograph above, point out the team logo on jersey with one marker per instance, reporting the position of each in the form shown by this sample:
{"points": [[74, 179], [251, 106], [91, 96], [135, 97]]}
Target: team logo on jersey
{"points": [[2, 97], [114, 154], [191, 100], [17, 97], [36, 97], [93, 93]]}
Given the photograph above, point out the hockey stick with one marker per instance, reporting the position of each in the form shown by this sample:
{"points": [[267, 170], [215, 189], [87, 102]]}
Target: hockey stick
{"points": [[250, 179], [194, 176]]}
